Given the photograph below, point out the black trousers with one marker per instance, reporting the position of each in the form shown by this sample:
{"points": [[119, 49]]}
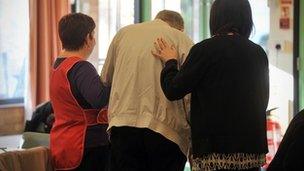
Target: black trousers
{"points": [[140, 149], [95, 159]]}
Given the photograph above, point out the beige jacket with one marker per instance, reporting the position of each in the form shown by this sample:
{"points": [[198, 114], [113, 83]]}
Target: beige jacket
{"points": [[136, 98]]}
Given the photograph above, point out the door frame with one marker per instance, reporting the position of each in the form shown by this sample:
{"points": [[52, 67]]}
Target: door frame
{"points": [[298, 55]]}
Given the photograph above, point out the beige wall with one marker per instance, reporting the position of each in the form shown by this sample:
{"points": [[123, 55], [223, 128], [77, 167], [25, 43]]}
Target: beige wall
{"points": [[281, 64]]}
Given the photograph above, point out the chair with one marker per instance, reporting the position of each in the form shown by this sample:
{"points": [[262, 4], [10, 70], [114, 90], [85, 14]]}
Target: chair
{"points": [[35, 139], [34, 159]]}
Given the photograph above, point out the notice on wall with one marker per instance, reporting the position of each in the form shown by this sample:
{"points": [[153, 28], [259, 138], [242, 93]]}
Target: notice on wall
{"points": [[286, 1], [284, 23], [285, 17], [285, 11]]}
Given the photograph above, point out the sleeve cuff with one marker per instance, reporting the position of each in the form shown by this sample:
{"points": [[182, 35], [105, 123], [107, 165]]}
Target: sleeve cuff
{"points": [[171, 62]]}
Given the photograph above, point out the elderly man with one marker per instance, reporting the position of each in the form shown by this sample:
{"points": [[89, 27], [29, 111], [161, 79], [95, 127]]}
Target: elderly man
{"points": [[148, 132]]}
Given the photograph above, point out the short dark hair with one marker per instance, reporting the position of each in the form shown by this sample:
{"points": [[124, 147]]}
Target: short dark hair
{"points": [[73, 29], [231, 16]]}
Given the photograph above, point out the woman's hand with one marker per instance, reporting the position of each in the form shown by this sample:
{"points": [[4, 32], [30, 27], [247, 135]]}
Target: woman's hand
{"points": [[164, 51]]}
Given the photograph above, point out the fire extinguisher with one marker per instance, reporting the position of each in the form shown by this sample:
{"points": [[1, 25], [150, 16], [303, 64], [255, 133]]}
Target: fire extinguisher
{"points": [[274, 136]]}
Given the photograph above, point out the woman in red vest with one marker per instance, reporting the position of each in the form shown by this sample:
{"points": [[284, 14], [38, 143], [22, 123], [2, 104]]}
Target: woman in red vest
{"points": [[78, 141]]}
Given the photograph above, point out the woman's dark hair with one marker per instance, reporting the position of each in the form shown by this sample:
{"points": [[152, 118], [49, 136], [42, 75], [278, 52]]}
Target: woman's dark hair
{"points": [[231, 16], [73, 29]]}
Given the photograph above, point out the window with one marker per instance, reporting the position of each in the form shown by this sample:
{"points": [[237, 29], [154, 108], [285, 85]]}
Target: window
{"points": [[114, 14], [110, 16], [14, 49], [158, 5], [261, 20]]}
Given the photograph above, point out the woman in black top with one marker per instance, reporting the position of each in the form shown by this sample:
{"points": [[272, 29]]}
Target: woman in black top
{"points": [[227, 76]]}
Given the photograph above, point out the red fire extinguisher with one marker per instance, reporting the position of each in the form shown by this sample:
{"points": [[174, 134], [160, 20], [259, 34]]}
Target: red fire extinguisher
{"points": [[274, 136]]}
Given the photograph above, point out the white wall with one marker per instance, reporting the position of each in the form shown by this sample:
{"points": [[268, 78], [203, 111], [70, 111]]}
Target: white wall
{"points": [[281, 64]]}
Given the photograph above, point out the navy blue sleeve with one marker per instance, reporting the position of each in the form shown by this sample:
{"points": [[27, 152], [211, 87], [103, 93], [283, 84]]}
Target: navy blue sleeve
{"points": [[177, 83], [86, 81]]}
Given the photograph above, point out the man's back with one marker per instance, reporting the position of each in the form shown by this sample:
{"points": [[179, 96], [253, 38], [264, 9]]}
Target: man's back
{"points": [[136, 96]]}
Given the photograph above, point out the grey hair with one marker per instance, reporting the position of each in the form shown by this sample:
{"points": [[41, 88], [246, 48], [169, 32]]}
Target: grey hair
{"points": [[174, 19]]}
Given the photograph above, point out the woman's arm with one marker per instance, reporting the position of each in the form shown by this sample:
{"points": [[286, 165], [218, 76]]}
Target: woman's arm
{"points": [[177, 83], [90, 86]]}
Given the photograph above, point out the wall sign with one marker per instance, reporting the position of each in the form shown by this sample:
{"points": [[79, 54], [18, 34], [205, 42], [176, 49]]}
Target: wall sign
{"points": [[286, 1], [285, 17], [284, 23]]}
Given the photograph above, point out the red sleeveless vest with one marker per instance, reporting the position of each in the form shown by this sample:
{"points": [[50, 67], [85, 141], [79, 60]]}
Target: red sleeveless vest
{"points": [[71, 120]]}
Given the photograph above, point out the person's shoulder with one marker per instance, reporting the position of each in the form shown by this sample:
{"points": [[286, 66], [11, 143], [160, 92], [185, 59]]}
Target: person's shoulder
{"points": [[198, 47], [129, 27], [297, 125], [249, 45], [298, 119], [122, 31], [256, 47], [81, 69], [129, 30], [301, 114], [181, 34], [252, 44], [204, 43], [182, 37], [83, 65]]}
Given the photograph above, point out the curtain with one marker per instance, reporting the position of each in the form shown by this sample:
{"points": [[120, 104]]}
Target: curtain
{"points": [[44, 48]]}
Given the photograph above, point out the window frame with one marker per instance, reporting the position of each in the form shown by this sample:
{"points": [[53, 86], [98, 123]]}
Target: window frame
{"points": [[142, 10], [15, 101], [298, 56], [10, 101]]}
